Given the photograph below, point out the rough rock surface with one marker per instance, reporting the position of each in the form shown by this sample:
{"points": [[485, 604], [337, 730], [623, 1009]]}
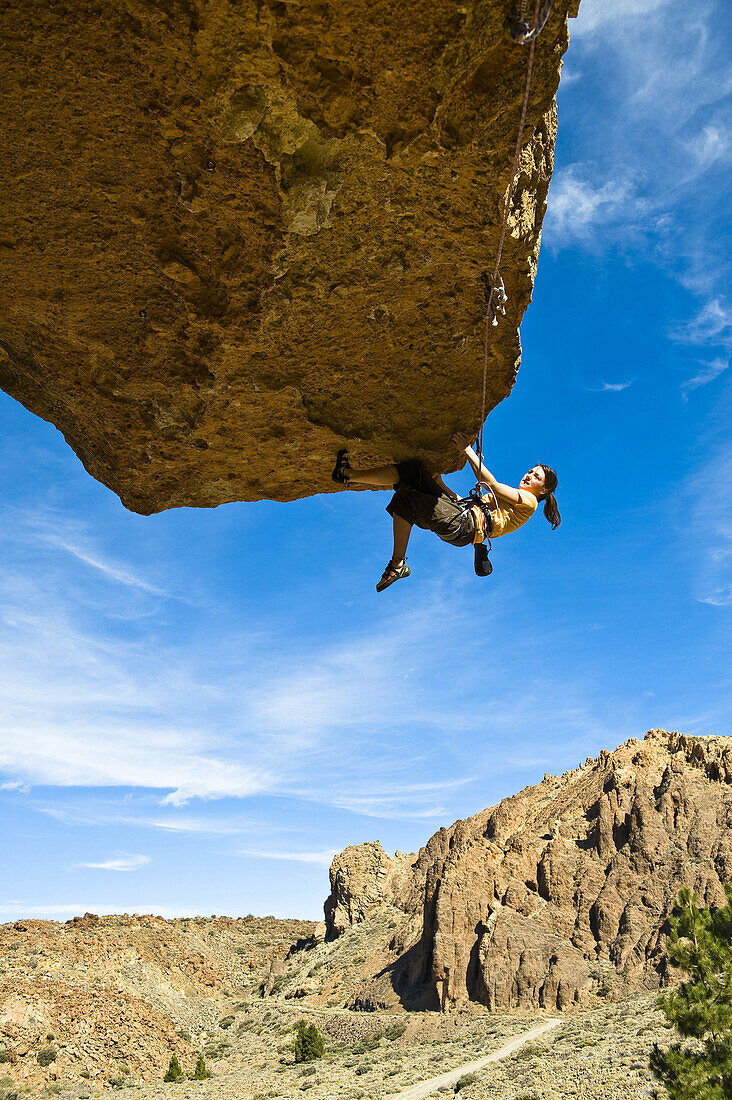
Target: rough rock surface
{"points": [[237, 236], [115, 996], [559, 895], [361, 878]]}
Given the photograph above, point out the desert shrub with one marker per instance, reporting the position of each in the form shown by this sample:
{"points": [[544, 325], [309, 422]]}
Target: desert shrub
{"points": [[364, 1046], [308, 1071], [5, 1055], [700, 1009], [50, 1037], [118, 1082], [217, 1050], [309, 1043], [395, 1031], [175, 1073], [227, 1021], [46, 1055], [467, 1079], [200, 1073], [360, 1070], [183, 1034]]}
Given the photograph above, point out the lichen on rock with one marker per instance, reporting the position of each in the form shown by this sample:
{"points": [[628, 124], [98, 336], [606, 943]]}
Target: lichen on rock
{"points": [[236, 237]]}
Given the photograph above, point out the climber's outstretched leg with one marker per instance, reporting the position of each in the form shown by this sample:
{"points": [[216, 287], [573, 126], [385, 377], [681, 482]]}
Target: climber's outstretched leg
{"points": [[397, 567], [402, 531], [383, 477]]}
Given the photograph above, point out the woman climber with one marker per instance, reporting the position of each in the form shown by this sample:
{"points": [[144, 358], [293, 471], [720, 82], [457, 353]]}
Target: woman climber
{"points": [[425, 500]]}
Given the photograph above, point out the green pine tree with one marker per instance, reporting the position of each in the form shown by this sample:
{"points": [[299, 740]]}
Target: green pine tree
{"points": [[175, 1073], [309, 1043], [701, 1007], [200, 1073]]}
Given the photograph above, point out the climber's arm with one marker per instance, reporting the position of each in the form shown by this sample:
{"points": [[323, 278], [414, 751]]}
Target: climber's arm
{"points": [[505, 494]]}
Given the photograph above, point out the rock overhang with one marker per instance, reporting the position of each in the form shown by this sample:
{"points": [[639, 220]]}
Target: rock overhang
{"points": [[236, 238]]}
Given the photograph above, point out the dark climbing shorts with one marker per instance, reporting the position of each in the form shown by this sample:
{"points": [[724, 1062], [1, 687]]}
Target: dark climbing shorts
{"points": [[420, 500]]}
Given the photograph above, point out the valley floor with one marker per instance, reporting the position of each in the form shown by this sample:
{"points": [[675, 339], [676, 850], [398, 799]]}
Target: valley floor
{"points": [[596, 1055]]}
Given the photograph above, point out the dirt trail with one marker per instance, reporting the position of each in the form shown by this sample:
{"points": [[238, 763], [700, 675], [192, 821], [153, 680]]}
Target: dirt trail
{"points": [[426, 1088]]}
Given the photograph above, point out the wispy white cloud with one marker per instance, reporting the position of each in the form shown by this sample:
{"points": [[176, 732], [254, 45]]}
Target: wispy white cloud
{"points": [[709, 373], [711, 325], [209, 826], [14, 785], [709, 530], [611, 387], [120, 862], [256, 714], [323, 859], [650, 157], [137, 714], [597, 16], [56, 531], [710, 146], [383, 808], [577, 207], [108, 569], [14, 909], [93, 813]]}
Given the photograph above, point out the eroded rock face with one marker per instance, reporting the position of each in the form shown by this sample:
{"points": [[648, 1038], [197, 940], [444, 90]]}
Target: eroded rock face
{"points": [[238, 236], [560, 894], [362, 877]]}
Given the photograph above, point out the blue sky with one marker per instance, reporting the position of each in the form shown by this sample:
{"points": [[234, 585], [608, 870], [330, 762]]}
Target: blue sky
{"points": [[199, 708]]}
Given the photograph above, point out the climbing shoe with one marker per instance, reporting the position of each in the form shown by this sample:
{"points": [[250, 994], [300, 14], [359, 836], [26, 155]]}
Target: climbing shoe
{"points": [[482, 563], [393, 573], [342, 469]]}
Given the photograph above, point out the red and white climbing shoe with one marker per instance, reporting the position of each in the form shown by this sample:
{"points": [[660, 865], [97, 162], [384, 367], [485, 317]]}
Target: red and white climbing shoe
{"points": [[393, 573]]}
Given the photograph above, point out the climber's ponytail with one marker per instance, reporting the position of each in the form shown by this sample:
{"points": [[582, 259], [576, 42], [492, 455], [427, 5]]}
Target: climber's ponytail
{"points": [[551, 511]]}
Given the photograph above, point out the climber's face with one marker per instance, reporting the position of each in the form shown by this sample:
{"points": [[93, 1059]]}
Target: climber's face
{"points": [[534, 481]]}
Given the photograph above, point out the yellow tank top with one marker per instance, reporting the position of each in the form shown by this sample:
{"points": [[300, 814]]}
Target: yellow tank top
{"points": [[509, 517]]}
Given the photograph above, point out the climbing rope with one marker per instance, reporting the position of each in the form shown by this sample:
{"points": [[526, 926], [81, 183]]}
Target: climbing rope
{"points": [[495, 294]]}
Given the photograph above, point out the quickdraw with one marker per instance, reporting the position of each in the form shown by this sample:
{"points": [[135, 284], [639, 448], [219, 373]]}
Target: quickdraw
{"points": [[521, 32]]}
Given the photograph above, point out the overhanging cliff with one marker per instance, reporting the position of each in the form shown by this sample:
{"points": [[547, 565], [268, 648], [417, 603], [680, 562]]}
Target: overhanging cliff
{"points": [[236, 236]]}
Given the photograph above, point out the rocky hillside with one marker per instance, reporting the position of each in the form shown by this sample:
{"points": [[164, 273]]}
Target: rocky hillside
{"points": [[555, 897], [100, 998], [237, 236]]}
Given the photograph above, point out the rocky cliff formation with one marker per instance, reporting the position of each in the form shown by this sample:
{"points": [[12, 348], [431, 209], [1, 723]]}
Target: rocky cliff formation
{"points": [[361, 878], [237, 236], [558, 895]]}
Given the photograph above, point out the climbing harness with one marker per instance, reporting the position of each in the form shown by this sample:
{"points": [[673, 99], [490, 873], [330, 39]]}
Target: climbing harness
{"points": [[481, 550], [493, 287]]}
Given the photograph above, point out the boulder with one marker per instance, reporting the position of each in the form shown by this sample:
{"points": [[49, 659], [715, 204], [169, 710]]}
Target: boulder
{"points": [[237, 237]]}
